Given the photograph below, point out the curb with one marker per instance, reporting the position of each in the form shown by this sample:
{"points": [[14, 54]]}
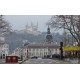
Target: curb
{"points": [[22, 61]]}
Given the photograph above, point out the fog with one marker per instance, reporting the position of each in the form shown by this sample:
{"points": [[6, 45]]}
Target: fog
{"points": [[18, 22]]}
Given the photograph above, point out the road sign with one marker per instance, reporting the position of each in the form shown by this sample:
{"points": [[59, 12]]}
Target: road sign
{"points": [[71, 48]]}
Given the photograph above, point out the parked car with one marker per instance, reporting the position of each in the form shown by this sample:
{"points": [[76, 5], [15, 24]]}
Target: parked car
{"points": [[56, 56], [45, 57], [34, 57], [49, 56]]}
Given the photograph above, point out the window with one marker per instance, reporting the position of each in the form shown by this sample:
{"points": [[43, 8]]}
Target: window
{"points": [[36, 49], [40, 54], [29, 49], [3, 56]]}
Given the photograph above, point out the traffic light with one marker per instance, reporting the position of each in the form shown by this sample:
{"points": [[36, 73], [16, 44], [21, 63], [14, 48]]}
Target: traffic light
{"points": [[11, 59]]}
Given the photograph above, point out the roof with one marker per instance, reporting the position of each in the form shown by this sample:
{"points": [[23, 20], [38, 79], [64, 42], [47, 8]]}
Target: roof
{"points": [[42, 46], [2, 43]]}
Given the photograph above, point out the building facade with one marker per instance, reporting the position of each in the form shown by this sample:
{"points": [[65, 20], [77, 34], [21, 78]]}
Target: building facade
{"points": [[17, 52], [21, 53], [4, 50], [25, 53], [32, 29], [41, 50]]}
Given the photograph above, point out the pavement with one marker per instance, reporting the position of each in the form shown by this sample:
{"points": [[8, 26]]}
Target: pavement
{"points": [[44, 61], [50, 61], [2, 61]]}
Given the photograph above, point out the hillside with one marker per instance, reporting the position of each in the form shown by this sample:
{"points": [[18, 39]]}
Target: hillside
{"points": [[16, 40]]}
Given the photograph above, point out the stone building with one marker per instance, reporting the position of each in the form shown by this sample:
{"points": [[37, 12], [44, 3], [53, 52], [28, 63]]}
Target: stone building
{"points": [[4, 50], [21, 53], [32, 29], [42, 50]]}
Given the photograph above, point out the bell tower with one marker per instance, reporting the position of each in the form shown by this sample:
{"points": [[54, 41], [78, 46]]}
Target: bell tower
{"points": [[49, 37]]}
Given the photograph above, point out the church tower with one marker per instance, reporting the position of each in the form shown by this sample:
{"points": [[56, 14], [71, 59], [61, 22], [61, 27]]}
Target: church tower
{"points": [[49, 37]]}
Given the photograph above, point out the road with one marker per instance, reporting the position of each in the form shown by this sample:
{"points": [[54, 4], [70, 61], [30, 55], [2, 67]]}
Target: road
{"points": [[45, 61], [49, 61], [2, 61]]}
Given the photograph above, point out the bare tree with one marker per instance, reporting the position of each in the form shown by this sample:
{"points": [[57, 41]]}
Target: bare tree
{"points": [[4, 26], [64, 38], [69, 22]]}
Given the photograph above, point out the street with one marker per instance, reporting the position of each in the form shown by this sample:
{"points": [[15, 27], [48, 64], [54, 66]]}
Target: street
{"points": [[45, 61], [49, 61], [2, 61]]}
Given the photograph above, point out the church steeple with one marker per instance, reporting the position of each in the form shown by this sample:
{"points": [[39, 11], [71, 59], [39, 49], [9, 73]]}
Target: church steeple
{"points": [[48, 30], [49, 37]]}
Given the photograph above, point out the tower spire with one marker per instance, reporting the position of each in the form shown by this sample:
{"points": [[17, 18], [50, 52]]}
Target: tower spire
{"points": [[48, 30], [49, 37]]}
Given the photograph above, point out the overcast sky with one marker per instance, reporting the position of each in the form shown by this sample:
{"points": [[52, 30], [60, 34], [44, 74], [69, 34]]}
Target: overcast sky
{"points": [[18, 22]]}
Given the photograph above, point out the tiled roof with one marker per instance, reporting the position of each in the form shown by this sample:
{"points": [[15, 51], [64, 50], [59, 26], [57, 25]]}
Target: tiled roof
{"points": [[42, 46]]}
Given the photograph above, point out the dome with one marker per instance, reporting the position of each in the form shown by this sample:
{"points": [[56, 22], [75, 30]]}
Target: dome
{"points": [[49, 37]]}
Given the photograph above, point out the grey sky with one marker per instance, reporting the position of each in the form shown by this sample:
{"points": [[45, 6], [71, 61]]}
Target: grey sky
{"points": [[18, 22]]}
